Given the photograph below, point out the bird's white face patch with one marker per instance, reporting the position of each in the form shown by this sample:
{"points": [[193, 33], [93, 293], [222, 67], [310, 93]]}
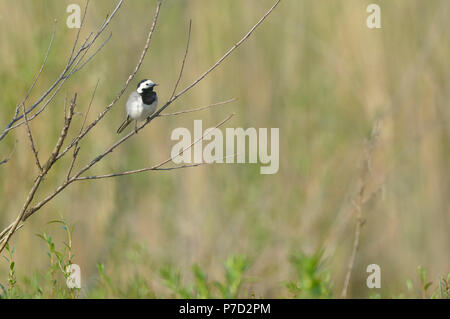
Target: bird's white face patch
{"points": [[145, 85]]}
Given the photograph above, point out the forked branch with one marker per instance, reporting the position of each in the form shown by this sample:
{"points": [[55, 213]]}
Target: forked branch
{"points": [[58, 152]]}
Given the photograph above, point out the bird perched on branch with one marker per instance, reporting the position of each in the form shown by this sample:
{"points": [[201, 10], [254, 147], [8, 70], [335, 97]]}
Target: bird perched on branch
{"points": [[141, 104]]}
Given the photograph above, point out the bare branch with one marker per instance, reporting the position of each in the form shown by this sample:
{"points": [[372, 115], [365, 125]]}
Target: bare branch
{"points": [[73, 60], [30, 137], [41, 176], [5, 160], [77, 149], [74, 70], [58, 152], [157, 167], [130, 78], [14, 225], [154, 115], [126, 137], [67, 182], [89, 106], [183, 62], [72, 163], [151, 169], [79, 31], [3, 233], [62, 135], [199, 108], [40, 71], [64, 79], [215, 65]]}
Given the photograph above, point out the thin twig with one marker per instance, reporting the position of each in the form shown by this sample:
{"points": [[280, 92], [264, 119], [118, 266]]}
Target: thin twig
{"points": [[74, 70], [157, 166], [55, 92], [30, 137], [153, 169], [183, 62], [5, 160], [42, 174], [199, 108], [79, 31], [72, 163], [39, 72], [89, 106], [77, 148], [2, 237], [62, 135], [214, 66]]}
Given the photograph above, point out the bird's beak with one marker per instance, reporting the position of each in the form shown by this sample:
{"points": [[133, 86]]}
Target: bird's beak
{"points": [[156, 84]]}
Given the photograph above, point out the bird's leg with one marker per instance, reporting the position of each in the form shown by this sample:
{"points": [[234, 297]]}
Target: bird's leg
{"points": [[135, 127]]}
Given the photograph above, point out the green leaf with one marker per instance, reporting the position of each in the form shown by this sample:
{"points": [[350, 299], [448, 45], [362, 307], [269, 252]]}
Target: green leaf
{"points": [[422, 272], [409, 285], [56, 221], [101, 268]]}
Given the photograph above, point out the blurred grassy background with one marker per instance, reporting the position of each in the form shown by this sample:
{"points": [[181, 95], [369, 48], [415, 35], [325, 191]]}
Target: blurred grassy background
{"points": [[313, 69]]}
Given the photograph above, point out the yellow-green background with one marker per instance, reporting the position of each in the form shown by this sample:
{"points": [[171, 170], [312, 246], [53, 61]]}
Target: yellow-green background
{"points": [[313, 69]]}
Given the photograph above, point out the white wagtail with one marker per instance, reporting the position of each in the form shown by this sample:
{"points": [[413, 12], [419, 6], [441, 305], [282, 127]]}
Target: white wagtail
{"points": [[141, 104]]}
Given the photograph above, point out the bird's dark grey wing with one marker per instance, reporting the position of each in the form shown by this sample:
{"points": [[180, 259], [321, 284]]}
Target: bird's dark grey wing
{"points": [[124, 125]]}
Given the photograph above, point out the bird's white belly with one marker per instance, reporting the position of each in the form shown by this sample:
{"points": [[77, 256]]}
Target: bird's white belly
{"points": [[140, 111]]}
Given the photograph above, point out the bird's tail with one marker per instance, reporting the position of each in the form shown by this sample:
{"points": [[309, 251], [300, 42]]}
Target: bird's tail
{"points": [[124, 125]]}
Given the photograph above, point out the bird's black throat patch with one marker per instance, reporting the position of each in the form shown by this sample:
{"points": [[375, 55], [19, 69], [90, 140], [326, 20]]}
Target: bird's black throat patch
{"points": [[148, 96]]}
